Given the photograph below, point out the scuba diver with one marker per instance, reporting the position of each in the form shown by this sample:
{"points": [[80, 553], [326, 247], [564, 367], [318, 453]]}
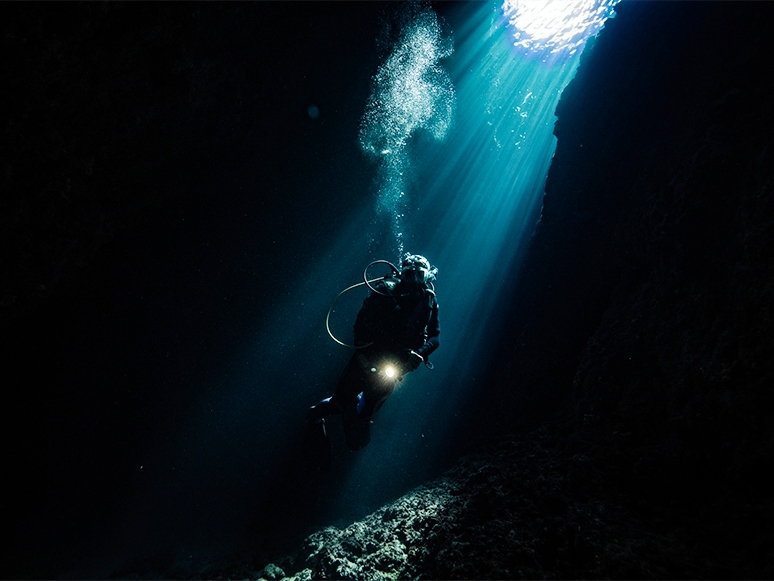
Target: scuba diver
{"points": [[396, 330]]}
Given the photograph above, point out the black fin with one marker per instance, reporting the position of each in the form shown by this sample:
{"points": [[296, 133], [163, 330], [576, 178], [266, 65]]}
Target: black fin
{"points": [[357, 428], [317, 446]]}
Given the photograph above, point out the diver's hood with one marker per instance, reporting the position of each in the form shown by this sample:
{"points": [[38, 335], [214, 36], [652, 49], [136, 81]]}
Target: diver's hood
{"points": [[416, 269]]}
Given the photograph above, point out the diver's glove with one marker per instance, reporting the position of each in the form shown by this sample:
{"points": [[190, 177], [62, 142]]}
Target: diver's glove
{"points": [[414, 360]]}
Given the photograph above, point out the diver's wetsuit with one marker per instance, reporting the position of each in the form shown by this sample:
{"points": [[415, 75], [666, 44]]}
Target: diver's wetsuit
{"points": [[401, 320]]}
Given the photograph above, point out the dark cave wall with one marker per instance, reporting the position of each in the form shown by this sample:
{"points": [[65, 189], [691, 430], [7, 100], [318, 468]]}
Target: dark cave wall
{"points": [[144, 148], [115, 113], [643, 310], [683, 354]]}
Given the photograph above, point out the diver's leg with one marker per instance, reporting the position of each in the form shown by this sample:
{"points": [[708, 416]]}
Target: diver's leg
{"points": [[323, 409], [317, 446], [357, 424], [349, 386], [356, 417], [346, 390]]}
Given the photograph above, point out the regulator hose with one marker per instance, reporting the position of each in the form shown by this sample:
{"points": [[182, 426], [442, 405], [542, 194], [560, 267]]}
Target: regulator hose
{"points": [[395, 272], [366, 282]]}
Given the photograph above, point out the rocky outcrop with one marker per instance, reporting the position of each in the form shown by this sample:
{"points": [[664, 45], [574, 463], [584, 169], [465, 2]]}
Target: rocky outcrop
{"points": [[528, 508]]}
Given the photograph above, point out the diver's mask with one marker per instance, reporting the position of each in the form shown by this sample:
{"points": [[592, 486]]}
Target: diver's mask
{"points": [[416, 270]]}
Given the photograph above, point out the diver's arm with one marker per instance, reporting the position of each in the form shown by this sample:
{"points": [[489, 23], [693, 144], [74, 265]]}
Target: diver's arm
{"points": [[433, 331]]}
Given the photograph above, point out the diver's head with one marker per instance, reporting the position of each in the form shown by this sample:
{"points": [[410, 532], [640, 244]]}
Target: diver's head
{"points": [[416, 269]]}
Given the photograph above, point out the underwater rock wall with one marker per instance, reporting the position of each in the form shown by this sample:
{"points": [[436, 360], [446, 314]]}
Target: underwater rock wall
{"points": [[645, 302], [683, 354], [523, 509]]}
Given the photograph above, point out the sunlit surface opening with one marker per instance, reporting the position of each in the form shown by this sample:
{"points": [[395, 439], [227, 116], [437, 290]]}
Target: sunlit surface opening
{"points": [[545, 27]]}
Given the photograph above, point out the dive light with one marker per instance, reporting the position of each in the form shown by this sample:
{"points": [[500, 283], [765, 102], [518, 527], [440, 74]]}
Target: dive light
{"points": [[387, 370]]}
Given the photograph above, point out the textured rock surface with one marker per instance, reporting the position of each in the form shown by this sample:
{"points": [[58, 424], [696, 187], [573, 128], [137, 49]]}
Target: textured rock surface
{"points": [[521, 510], [533, 508]]}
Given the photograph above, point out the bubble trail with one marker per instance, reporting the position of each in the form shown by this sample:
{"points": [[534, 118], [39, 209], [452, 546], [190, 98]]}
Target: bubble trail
{"points": [[410, 91]]}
